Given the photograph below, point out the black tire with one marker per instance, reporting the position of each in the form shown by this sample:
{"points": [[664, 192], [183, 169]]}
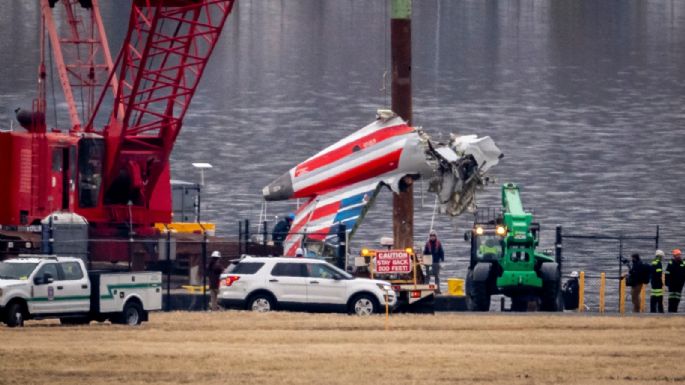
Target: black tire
{"points": [[132, 315], [74, 320], [470, 303], [363, 305], [15, 314], [261, 302], [481, 297], [551, 297], [477, 295]]}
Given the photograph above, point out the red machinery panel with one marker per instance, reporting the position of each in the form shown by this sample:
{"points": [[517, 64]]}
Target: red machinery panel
{"points": [[117, 175], [39, 175]]}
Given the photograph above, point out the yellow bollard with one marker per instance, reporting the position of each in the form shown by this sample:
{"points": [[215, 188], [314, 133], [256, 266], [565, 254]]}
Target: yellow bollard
{"points": [[415, 262], [602, 286], [643, 296], [387, 310], [622, 295], [581, 292]]}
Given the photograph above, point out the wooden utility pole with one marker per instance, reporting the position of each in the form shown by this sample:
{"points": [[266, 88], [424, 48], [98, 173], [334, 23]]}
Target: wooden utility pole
{"points": [[400, 36]]}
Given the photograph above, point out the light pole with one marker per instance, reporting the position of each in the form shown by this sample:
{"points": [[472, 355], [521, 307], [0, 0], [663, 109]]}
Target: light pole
{"points": [[202, 167]]}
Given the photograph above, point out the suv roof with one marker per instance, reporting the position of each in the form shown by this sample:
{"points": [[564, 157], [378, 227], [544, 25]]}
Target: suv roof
{"points": [[41, 257], [282, 259]]}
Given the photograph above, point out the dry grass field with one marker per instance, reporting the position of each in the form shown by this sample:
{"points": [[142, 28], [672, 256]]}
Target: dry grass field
{"points": [[292, 348]]}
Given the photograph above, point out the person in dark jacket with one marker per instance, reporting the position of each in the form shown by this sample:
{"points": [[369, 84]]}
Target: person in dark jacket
{"points": [[636, 280], [570, 292], [434, 248], [656, 272], [280, 231], [214, 271], [675, 278]]}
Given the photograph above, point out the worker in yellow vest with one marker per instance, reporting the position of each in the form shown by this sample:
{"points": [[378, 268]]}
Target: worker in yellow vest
{"points": [[656, 300]]}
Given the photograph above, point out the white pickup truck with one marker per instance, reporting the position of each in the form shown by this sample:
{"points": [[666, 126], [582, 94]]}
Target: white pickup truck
{"points": [[38, 287]]}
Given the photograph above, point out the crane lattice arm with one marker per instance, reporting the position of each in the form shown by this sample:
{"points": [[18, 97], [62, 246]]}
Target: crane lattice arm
{"points": [[81, 55], [164, 54]]}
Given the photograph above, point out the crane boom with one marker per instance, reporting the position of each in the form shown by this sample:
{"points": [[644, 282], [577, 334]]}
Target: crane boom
{"points": [[81, 52], [516, 219], [115, 175], [165, 52]]}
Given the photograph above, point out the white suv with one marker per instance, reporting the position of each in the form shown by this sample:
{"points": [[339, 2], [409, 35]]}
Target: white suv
{"points": [[264, 284]]}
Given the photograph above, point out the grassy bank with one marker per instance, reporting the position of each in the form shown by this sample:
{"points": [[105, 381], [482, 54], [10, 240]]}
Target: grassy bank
{"points": [[293, 348]]}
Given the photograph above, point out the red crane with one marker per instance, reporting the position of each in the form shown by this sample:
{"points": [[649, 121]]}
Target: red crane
{"points": [[112, 164]]}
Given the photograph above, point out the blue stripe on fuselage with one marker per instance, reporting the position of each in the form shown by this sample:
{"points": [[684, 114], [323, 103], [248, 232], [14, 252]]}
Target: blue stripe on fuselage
{"points": [[353, 200], [351, 208], [344, 215]]}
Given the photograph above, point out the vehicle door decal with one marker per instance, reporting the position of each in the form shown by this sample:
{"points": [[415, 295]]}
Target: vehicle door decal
{"points": [[112, 288]]}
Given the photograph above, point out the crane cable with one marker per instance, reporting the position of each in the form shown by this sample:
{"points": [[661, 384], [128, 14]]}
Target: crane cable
{"points": [[435, 210], [52, 83], [78, 58], [386, 53]]}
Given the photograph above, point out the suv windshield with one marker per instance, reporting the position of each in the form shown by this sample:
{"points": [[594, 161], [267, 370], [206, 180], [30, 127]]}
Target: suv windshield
{"points": [[16, 270]]}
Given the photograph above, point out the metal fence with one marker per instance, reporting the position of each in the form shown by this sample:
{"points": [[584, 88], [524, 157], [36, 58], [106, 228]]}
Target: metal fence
{"points": [[183, 258], [608, 253]]}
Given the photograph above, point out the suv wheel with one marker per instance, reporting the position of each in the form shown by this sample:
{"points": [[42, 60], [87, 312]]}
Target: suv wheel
{"points": [[15, 315], [261, 303], [364, 304]]}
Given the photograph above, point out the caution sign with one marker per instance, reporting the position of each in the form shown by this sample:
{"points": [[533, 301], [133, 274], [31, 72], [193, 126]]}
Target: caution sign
{"points": [[393, 262]]}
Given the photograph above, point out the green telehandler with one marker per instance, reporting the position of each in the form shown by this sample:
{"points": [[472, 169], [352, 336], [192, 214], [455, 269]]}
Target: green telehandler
{"points": [[504, 259]]}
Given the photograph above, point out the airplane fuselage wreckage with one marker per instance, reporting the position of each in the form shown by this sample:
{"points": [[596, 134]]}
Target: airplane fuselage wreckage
{"points": [[342, 181]]}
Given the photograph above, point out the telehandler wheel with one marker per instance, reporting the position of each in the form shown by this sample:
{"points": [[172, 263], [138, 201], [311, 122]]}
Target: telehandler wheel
{"points": [[477, 296], [552, 299], [481, 296]]}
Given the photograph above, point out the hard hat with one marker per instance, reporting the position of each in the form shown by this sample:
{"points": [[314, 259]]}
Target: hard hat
{"points": [[291, 216], [676, 252], [299, 251], [433, 232], [574, 274], [216, 254], [659, 254]]}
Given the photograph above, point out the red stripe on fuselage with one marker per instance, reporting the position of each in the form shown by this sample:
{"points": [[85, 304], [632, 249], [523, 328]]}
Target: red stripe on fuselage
{"points": [[291, 251], [320, 235], [349, 148], [374, 168], [325, 211], [297, 225]]}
